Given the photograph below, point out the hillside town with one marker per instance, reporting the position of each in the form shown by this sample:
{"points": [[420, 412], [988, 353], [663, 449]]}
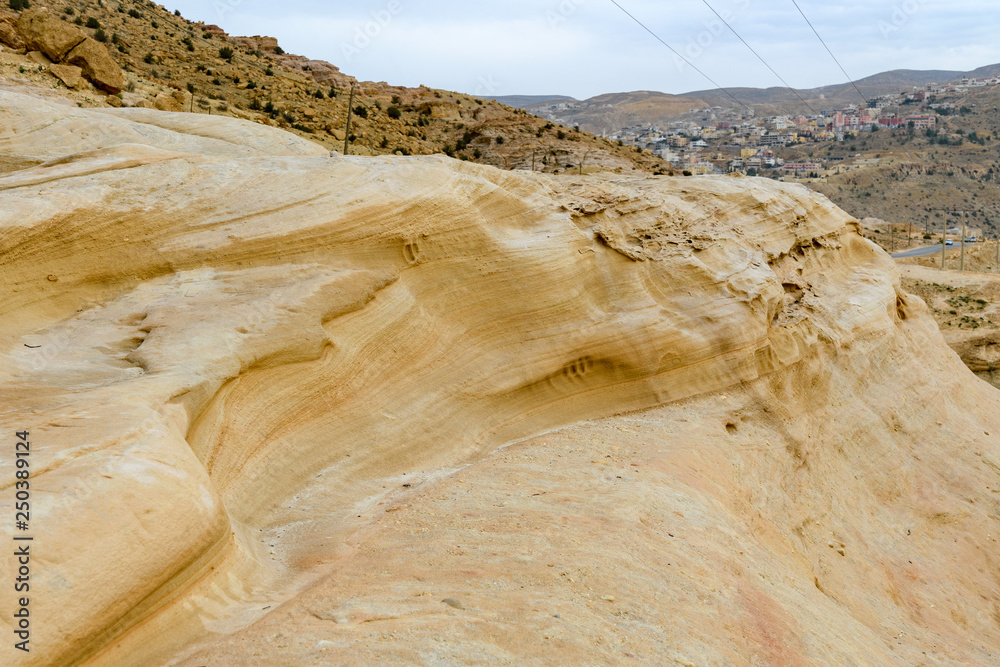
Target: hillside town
{"points": [[716, 140]]}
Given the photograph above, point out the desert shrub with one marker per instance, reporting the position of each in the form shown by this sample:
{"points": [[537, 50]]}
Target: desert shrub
{"points": [[100, 35], [278, 50], [134, 13], [361, 112], [394, 112], [226, 53]]}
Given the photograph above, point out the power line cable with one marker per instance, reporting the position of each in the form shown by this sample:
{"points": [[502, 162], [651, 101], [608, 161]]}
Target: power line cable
{"points": [[830, 52], [760, 58], [657, 38]]}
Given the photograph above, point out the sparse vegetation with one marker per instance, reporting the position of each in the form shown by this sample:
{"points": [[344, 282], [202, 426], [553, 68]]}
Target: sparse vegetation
{"points": [[300, 97]]}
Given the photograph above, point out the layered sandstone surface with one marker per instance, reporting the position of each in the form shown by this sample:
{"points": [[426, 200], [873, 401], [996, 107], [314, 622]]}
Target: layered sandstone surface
{"points": [[292, 409]]}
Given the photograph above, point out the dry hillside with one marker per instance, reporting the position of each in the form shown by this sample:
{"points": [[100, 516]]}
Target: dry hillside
{"points": [[167, 58], [607, 114], [902, 177]]}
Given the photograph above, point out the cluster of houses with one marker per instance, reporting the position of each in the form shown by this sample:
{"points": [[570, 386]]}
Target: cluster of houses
{"points": [[710, 144]]}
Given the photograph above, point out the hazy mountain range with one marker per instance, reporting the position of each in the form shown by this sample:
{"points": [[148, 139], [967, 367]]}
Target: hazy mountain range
{"points": [[613, 111]]}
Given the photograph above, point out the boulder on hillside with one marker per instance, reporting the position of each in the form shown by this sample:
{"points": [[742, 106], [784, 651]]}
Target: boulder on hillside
{"points": [[70, 75], [134, 100], [440, 109], [167, 102], [44, 32], [8, 31], [97, 65], [38, 57]]}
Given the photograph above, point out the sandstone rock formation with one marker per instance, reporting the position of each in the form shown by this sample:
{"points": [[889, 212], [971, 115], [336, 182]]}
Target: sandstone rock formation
{"points": [[70, 75], [44, 32], [267, 391], [980, 351], [8, 31], [62, 42], [91, 56]]}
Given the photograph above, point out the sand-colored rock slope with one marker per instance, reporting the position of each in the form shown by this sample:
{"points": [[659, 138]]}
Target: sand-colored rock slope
{"points": [[282, 406]]}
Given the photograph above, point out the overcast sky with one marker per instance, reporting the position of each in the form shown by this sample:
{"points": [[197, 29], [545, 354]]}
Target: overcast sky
{"points": [[583, 48]]}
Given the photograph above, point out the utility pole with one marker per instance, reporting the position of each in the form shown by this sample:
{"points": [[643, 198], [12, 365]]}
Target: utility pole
{"points": [[892, 237], [944, 235], [347, 132], [962, 265], [532, 160]]}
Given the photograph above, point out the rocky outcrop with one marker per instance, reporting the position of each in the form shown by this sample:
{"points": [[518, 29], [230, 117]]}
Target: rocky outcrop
{"points": [[9, 36], [384, 411], [42, 31], [62, 42], [980, 350], [169, 102], [97, 65], [70, 75], [256, 43]]}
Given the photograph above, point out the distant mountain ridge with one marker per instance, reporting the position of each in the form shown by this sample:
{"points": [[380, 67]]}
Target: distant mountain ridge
{"points": [[882, 83], [613, 111]]}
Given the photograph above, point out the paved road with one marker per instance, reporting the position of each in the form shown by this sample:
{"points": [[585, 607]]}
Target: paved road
{"points": [[926, 250]]}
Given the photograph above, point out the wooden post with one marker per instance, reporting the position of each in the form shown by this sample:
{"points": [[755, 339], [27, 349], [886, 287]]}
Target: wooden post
{"points": [[532, 160], [347, 132], [962, 265], [944, 235]]}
